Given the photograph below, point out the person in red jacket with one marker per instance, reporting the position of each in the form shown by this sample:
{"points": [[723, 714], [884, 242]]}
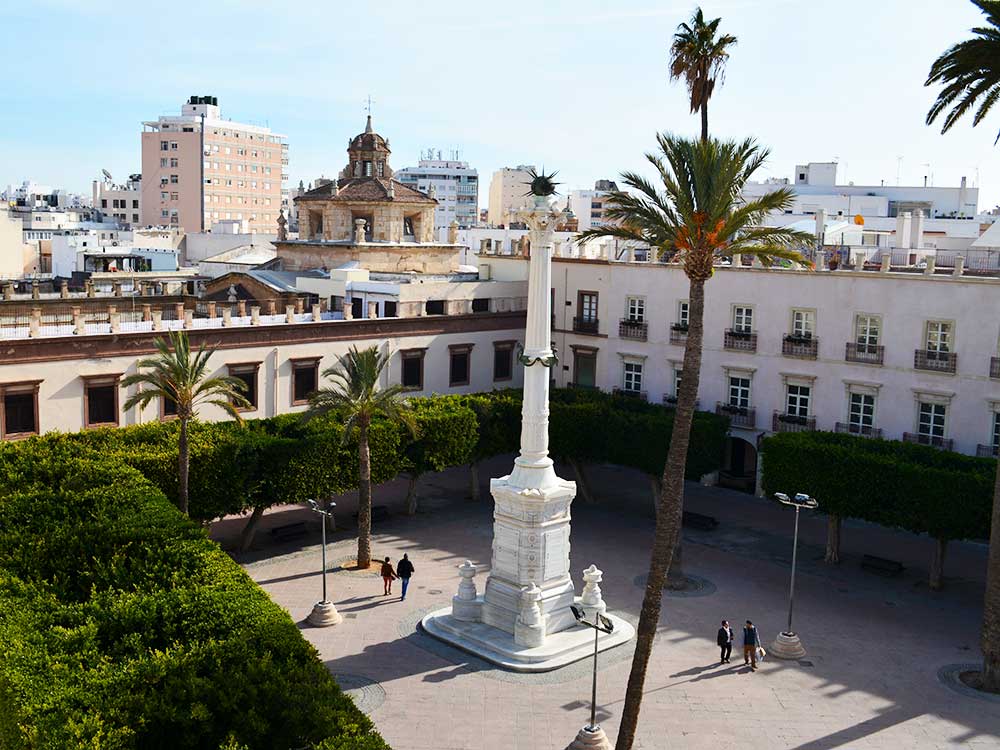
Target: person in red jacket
{"points": [[388, 576]]}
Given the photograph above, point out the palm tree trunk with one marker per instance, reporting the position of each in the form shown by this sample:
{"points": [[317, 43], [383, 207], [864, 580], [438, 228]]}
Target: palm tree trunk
{"points": [[668, 519], [936, 582], [247, 535], [364, 497], [411, 494], [991, 606], [832, 539], [704, 120], [474, 481], [655, 489], [183, 464], [583, 482]]}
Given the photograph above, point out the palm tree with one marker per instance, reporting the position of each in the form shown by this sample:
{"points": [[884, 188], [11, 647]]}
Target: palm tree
{"points": [[990, 639], [699, 57], [179, 378], [970, 72], [356, 398], [694, 217]]}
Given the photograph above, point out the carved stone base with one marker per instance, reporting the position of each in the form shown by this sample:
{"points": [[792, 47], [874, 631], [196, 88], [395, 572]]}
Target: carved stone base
{"points": [[500, 648], [787, 646], [590, 738], [323, 615]]}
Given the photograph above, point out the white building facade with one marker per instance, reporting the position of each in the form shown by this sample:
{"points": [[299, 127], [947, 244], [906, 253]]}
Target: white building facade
{"points": [[453, 183], [118, 202], [508, 188], [588, 205]]}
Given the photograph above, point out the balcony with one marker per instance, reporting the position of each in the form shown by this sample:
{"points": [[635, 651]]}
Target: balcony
{"points": [[585, 325], [632, 329], [670, 401], [740, 341], [935, 361], [934, 441], [800, 346], [857, 429], [995, 368], [739, 416], [641, 395], [986, 451], [866, 354], [679, 334], [783, 422]]}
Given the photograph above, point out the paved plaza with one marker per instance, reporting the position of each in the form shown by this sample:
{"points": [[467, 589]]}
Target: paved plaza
{"points": [[870, 679]]}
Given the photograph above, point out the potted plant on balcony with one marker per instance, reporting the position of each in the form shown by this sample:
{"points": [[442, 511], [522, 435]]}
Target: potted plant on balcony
{"points": [[793, 419], [679, 327]]}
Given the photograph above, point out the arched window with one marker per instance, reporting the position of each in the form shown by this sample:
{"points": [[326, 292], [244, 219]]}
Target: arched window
{"points": [[381, 169]]}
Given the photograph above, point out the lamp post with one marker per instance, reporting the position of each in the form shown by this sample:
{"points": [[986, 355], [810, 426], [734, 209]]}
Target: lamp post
{"points": [[592, 737], [323, 612], [787, 645]]}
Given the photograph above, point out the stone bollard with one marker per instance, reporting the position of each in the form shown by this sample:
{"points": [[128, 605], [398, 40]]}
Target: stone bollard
{"points": [[157, 320], [79, 326], [529, 628], [189, 319], [317, 313], [289, 313], [227, 317], [886, 263], [63, 290], [372, 310], [211, 309], [255, 315], [348, 311], [241, 309], [35, 325], [464, 605], [591, 597], [959, 265]]}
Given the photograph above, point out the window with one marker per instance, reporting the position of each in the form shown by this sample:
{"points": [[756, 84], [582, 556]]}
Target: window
{"points": [[168, 408], [743, 319], [434, 307], [677, 382], [481, 304], [931, 419], [803, 323], [938, 336], [861, 412], [104, 202], [173, 179], [635, 309], [683, 313], [587, 305], [163, 162], [867, 332], [584, 367], [460, 356], [173, 145], [19, 409], [135, 204], [305, 375], [739, 391], [412, 375], [503, 360], [164, 145], [797, 400], [631, 376], [995, 444], [100, 395], [246, 372], [174, 161]]}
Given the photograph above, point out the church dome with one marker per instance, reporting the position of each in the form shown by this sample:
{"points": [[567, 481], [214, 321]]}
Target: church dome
{"points": [[369, 140]]}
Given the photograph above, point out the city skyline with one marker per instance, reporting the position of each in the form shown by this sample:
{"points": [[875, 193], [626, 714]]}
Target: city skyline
{"points": [[573, 87]]}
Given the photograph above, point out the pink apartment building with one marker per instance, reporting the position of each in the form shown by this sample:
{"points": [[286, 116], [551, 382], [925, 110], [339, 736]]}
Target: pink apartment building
{"points": [[198, 169]]}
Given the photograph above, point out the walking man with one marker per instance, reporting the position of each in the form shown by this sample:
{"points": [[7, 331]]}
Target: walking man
{"points": [[750, 642], [725, 641], [388, 576], [404, 569]]}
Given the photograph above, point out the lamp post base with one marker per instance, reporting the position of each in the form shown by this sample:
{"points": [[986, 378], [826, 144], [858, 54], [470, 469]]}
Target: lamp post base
{"points": [[787, 646], [323, 615], [590, 738]]}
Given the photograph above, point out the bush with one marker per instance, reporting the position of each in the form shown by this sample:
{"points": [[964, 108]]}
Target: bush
{"points": [[122, 626]]}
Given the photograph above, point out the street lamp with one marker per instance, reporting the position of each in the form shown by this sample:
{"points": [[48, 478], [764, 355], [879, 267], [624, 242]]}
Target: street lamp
{"points": [[592, 736], [787, 645], [323, 612]]}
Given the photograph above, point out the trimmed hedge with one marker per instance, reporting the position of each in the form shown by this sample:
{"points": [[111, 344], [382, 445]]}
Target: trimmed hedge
{"points": [[122, 626], [914, 487]]}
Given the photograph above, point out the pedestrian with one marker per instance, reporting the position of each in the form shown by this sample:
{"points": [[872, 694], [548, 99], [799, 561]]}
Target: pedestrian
{"points": [[388, 576], [404, 569], [750, 643], [725, 641]]}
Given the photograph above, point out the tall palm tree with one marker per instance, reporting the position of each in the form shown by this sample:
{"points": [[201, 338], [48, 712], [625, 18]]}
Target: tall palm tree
{"points": [[970, 72], [693, 217], [356, 398], [180, 378], [990, 639], [699, 55]]}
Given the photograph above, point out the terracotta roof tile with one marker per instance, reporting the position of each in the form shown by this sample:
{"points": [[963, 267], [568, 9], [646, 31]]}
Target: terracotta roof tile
{"points": [[367, 189]]}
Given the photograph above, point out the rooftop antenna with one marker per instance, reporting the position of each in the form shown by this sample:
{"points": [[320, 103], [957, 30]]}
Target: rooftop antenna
{"points": [[899, 167], [927, 172]]}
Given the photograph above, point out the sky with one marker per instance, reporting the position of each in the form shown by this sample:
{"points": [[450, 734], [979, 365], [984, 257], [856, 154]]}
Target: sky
{"points": [[580, 87]]}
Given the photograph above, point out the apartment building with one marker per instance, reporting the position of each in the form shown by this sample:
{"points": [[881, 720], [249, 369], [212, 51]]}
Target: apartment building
{"points": [[198, 168], [508, 187], [118, 202], [453, 183], [588, 205], [894, 352]]}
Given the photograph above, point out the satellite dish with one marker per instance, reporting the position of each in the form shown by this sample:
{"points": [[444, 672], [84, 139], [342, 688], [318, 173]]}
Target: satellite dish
{"points": [[107, 175]]}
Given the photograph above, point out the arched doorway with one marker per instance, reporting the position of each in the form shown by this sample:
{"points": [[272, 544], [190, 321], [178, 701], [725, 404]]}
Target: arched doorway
{"points": [[739, 465]]}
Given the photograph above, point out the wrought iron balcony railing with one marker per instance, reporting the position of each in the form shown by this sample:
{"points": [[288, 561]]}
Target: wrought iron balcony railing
{"points": [[935, 361], [986, 451], [858, 429], [867, 354], [743, 341], [739, 416], [800, 346], [628, 393], [783, 422], [585, 325], [632, 329], [678, 333], [932, 440]]}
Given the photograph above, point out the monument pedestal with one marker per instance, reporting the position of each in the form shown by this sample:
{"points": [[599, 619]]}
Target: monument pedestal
{"points": [[590, 738], [787, 646], [323, 615]]}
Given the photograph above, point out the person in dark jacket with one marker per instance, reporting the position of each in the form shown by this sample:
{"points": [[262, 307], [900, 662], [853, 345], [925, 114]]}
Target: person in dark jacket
{"points": [[404, 569], [750, 642], [725, 641], [388, 576]]}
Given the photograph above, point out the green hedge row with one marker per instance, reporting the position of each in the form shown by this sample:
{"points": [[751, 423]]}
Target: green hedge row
{"points": [[123, 627], [946, 495]]}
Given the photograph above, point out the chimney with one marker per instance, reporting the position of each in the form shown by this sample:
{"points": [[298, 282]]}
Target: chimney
{"points": [[918, 230], [903, 230]]}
